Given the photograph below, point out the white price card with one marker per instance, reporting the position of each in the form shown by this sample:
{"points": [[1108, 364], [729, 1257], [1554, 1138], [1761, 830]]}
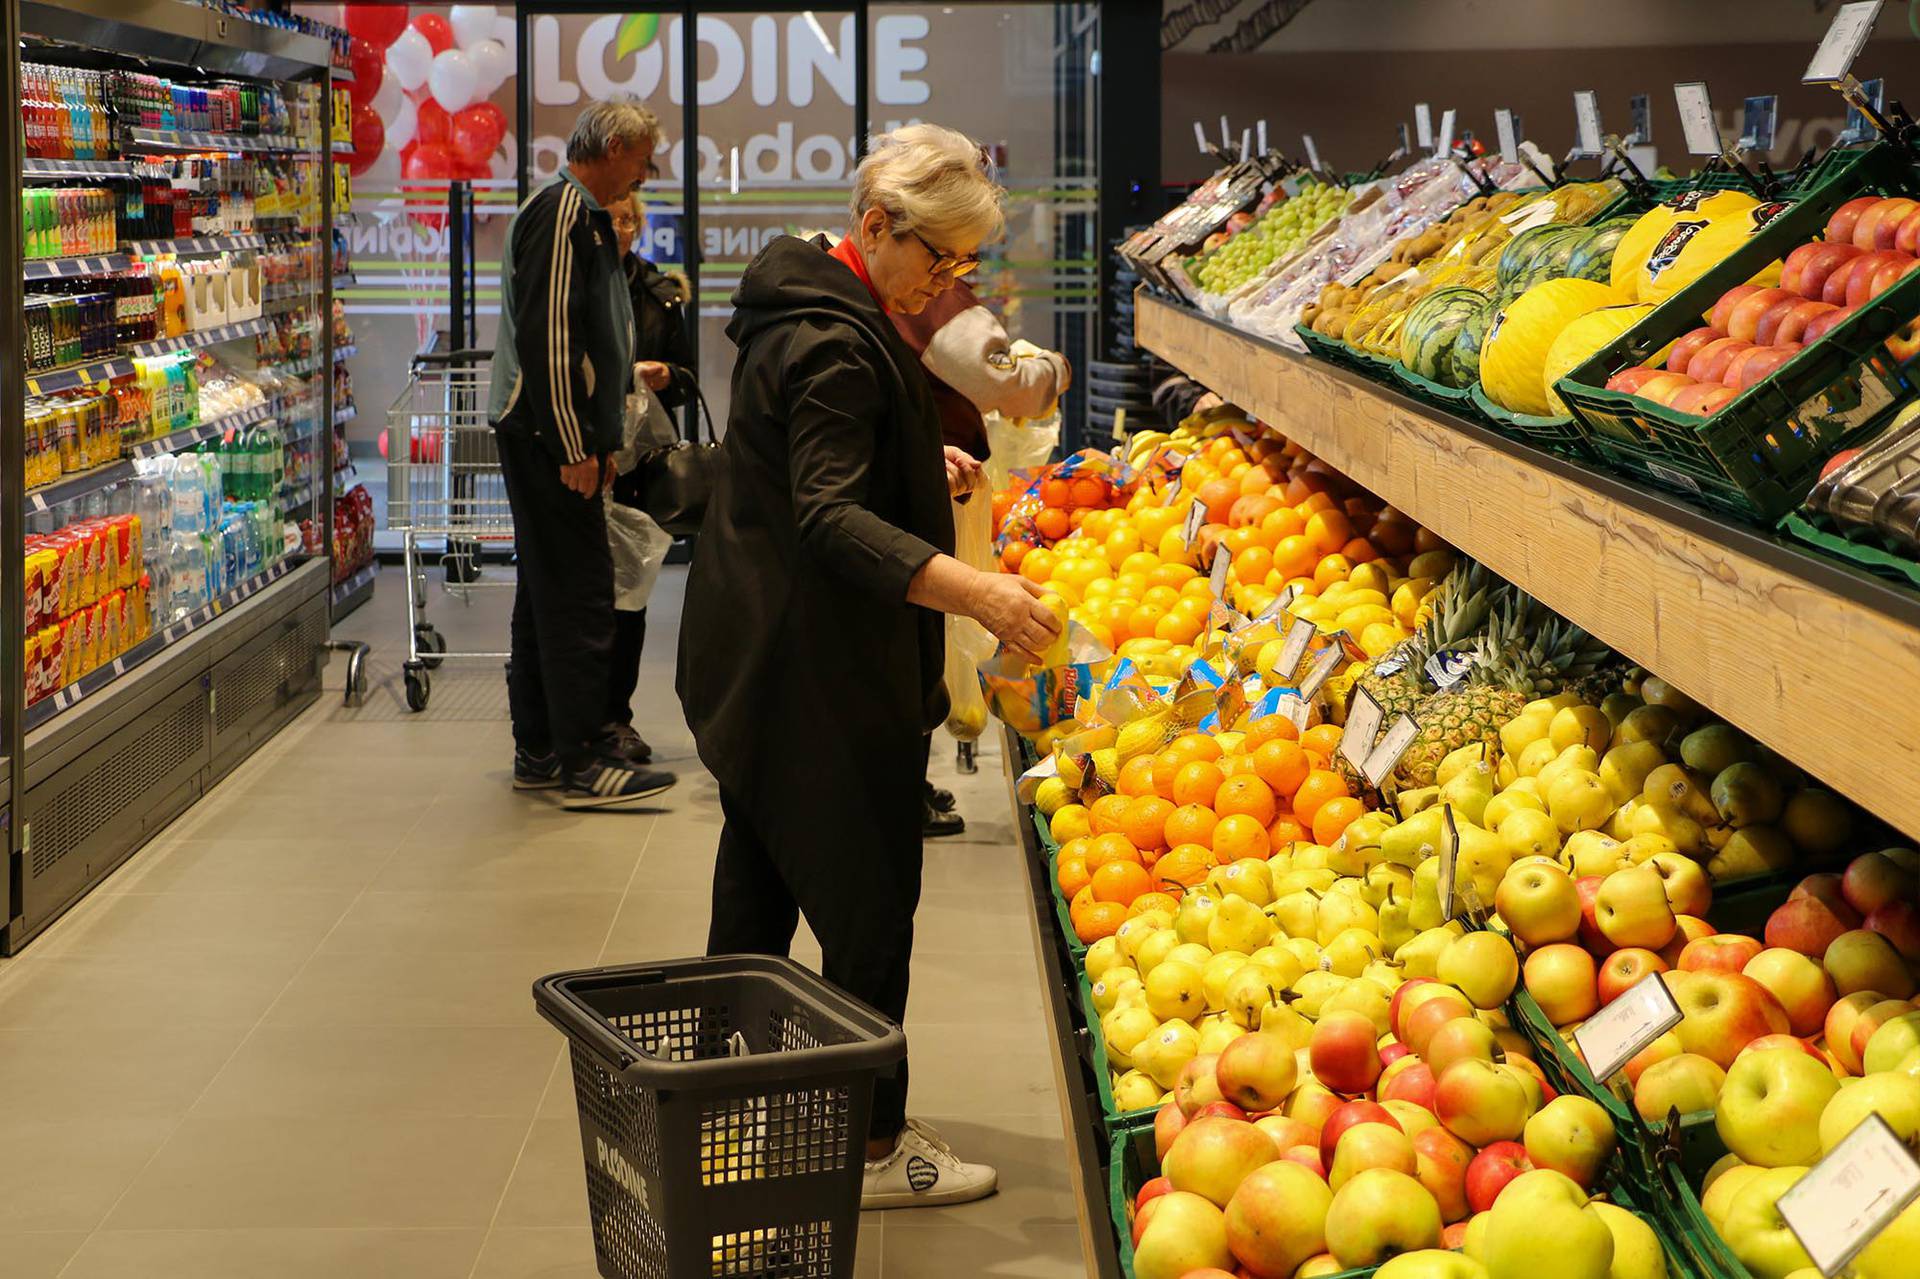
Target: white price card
{"points": [[1246, 143], [1615, 1035], [1295, 709], [1321, 670], [1449, 861], [1423, 123], [1696, 118], [1313, 152], [1222, 560], [1363, 723], [1226, 137], [1284, 601], [1406, 143], [1196, 516], [1445, 144], [1387, 752], [1199, 137], [1846, 36], [1299, 635], [1509, 140], [1586, 119], [1851, 1195]]}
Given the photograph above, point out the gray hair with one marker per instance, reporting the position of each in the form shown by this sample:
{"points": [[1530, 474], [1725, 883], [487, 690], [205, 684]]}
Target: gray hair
{"points": [[622, 119], [926, 176]]}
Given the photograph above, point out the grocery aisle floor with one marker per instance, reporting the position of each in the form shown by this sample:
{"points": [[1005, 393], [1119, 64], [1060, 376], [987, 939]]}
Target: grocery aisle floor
{"points": [[293, 1036]]}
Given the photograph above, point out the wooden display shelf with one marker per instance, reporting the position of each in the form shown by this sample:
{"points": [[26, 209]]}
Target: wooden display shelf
{"points": [[1818, 661]]}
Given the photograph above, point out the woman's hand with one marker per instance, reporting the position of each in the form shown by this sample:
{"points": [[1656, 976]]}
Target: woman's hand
{"points": [[1009, 606], [963, 472], [653, 374]]}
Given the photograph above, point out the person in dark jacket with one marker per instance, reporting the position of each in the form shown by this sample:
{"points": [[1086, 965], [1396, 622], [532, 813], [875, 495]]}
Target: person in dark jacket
{"points": [[660, 346], [562, 365], [812, 641]]}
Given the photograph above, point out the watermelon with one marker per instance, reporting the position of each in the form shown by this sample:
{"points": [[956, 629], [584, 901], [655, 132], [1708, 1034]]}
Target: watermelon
{"points": [[1522, 249], [1594, 259], [1472, 336], [1432, 324]]}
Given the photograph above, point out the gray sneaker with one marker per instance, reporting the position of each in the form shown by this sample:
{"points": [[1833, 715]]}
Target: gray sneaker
{"points": [[923, 1172], [607, 783]]}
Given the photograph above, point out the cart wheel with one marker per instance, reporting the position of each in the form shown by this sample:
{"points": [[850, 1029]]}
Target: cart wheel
{"points": [[430, 641], [356, 677], [419, 685]]}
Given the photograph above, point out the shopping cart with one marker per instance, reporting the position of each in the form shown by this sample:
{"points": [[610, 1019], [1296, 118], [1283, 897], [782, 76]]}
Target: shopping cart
{"points": [[444, 481]]}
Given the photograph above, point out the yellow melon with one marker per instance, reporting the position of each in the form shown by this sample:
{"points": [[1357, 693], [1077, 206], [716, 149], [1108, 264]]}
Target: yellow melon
{"points": [[1514, 360], [1694, 244], [1581, 339], [1630, 255]]}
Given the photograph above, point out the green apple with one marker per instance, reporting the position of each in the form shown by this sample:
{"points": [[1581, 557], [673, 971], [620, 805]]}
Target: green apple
{"points": [[1483, 966], [1539, 903], [1890, 1044], [1686, 1083], [1891, 1254], [1718, 1196], [1895, 1097], [1431, 1263], [1542, 1224], [1571, 1135], [1380, 1213], [1632, 909], [1637, 1253], [1187, 1233], [1769, 1109], [1755, 1230]]}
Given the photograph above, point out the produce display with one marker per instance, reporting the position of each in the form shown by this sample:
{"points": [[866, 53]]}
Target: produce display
{"points": [[1251, 248]]}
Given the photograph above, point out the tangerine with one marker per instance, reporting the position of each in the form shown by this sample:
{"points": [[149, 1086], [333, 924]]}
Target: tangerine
{"points": [[1268, 728], [1324, 738], [1145, 822], [1087, 491], [1239, 836], [1329, 530], [1053, 522], [1182, 626], [1283, 523], [1334, 568], [1191, 824], [1218, 496], [1320, 786], [1253, 564], [1015, 552], [1198, 746], [1056, 493], [1334, 817], [1166, 765], [1162, 898], [1281, 764], [1246, 794], [1136, 776], [1144, 619], [1184, 864], [1121, 882], [1072, 875], [1097, 920], [1286, 830], [1360, 551], [1197, 782], [1110, 847], [1295, 556], [1104, 813]]}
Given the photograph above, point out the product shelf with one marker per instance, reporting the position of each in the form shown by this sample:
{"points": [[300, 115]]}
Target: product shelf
{"points": [[200, 337], [199, 244], [193, 140], [1812, 658], [69, 487], [32, 167], [75, 268]]}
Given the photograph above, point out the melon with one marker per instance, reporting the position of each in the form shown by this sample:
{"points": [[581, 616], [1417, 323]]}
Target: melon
{"points": [[1580, 340], [1694, 244], [1467, 346], [1427, 337], [1514, 359], [1631, 253], [1594, 259]]}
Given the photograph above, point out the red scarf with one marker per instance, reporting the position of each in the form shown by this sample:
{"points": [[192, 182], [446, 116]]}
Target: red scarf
{"points": [[849, 253]]}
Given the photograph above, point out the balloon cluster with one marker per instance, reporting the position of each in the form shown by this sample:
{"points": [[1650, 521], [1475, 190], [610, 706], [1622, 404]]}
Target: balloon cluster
{"points": [[420, 91]]}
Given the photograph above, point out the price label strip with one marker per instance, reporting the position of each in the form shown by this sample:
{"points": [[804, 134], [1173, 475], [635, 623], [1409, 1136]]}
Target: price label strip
{"points": [[1423, 123], [1449, 862], [1321, 670], [1586, 119], [1617, 1033], [1385, 755], [1364, 716], [1846, 36], [1509, 139], [1851, 1195], [1696, 118]]}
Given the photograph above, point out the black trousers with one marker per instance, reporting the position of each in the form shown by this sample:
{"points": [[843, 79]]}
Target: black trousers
{"points": [[623, 671], [857, 881], [562, 636]]}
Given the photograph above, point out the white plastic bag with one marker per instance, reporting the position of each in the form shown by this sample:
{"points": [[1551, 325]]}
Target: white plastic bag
{"points": [[966, 705], [973, 546], [1017, 444], [639, 549]]}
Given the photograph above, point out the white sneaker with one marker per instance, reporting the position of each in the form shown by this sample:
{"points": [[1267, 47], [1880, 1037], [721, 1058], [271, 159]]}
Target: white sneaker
{"points": [[922, 1172]]}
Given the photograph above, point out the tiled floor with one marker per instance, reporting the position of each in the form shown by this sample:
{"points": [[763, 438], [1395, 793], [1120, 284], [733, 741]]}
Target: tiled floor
{"points": [[293, 1036]]}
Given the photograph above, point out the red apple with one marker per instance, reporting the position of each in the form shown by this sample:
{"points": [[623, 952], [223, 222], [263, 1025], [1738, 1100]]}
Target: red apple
{"points": [[1703, 359], [1721, 317], [1687, 929], [1768, 331], [1443, 1160], [1412, 1083], [1431, 1016], [1906, 236], [1719, 953], [1702, 399], [1220, 1110], [1150, 1192], [1307, 1157], [1723, 359], [1392, 1052], [1876, 1015], [1841, 225], [1841, 1020], [1590, 935], [1399, 999], [1794, 327], [1454, 1237], [1492, 1169], [1347, 1116], [1880, 222], [1623, 970], [1784, 1041], [1743, 321], [1287, 1133], [1760, 365], [1630, 381], [1794, 263], [1873, 880], [1828, 886], [1899, 923], [1835, 289], [1664, 387], [1667, 1045], [1167, 1123], [1688, 343], [1820, 266], [1822, 324], [1809, 924], [1866, 268], [1343, 1052], [1891, 274], [1531, 1069]]}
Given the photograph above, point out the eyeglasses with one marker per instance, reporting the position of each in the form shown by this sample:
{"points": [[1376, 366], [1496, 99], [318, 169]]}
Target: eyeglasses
{"points": [[945, 263]]}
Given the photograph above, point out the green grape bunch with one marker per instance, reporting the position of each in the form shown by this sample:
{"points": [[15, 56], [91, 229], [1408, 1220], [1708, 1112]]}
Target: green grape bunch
{"points": [[1280, 230]]}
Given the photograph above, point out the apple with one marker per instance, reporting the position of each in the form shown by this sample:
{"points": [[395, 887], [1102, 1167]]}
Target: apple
{"points": [[1767, 331], [1167, 1123], [1632, 909], [1365, 1146], [1835, 289], [1150, 1191], [1399, 999], [1588, 887], [1725, 1179], [1843, 1018], [1286, 1133], [1719, 953], [1809, 924], [1543, 1225], [1572, 1135], [1221, 1110], [1631, 380], [1802, 987], [1459, 1039], [1687, 929], [1906, 236], [1769, 1110], [1819, 326], [1198, 1084], [1481, 1103], [1698, 368], [1827, 886], [1819, 268], [1184, 1234], [1879, 224], [1307, 1157], [1492, 1170], [1882, 1040], [1891, 1254], [1893, 1096], [1413, 1083], [1530, 1074], [1211, 1156], [1722, 1012], [1661, 387], [1431, 1015], [1686, 1084], [1702, 399], [1313, 1103], [1759, 365], [1743, 321], [1348, 1115], [1873, 880], [1794, 327], [1765, 1042], [1562, 980], [1866, 269], [1623, 969], [1539, 904], [1862, 959], [1256, 1071], [1890, 274], [1841, 225], [1722, 359], [1794, 263], [1444, 1165], [1392, 1050], [1756, 1232], [1413, 1119], [1683, 350], [1277, 1219], [1661, 1049], [1344, 1055], [1637, 1250], [1899, 923], [1482, 966], [1721, 316], [1379, 1214]]}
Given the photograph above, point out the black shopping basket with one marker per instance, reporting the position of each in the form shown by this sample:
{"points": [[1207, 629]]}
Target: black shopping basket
{"points": [[723, 1114]]}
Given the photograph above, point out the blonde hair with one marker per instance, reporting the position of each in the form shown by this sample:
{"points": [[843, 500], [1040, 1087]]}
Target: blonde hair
{"points": [[925, 177]]}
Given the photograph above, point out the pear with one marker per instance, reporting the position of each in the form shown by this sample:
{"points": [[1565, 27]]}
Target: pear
{"points": [[1340, 912], [1528, 786], [1640, 849], [1581, 758], [1624, 769], [1279, 864], [1247, 878], [1753, 850], [1688, 836], [1507, 802], [1746, 794], [1616, 706], [1653, 724], [1396, 924], [1590, 852], [1525, 729], [1193, 953], [1116, 986], [1125, 1027], [1676, 786], [1540, 706], [1346, 860], [1351, 951], [1162, 1053], [1135, 1090], [1658, 692], [1457, 759], [1383, 879], [1176, 990], [1817, 821], [1365, 996], [1197, 910], [1529, 832], [1413, 840], [1506, 772], [1240, 926], [1283, 963], [1280, 1018], [1713, 749], [1535, 757], [1419, 956], [1217, 1030], [1385, 973], [1304, 949], [1251, 989], [1580, 726], [1365, 831], [1102, 955], [1409, 802], [1481, 864], [1215, 975], [1469, 791], [1315, 988], [1578, 800], [1132, 933], [1310, 857], [1298, 913], [1155, 949]]}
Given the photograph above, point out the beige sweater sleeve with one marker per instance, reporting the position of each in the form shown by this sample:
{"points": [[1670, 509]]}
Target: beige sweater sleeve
{"points": [[972, 354]]}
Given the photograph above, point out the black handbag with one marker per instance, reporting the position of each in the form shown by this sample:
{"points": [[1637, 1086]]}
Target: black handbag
{"points": [[676, 480]]}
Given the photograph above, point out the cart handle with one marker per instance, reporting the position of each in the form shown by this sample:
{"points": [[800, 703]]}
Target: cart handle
{"points": [[436, 359]]}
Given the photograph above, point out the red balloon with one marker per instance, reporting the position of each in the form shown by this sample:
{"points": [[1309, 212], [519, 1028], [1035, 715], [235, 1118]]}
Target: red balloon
{"points": [[369, 70], [378, 24], [428, 160], [476, 134], [437, 30], [369, 139], [435, 125]]}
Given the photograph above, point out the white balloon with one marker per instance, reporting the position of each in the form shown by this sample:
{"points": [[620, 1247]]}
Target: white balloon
{"points": [[452, 80], [404, 125], [386, 102], [384, 175], [471, 23], [491, 65], [409, 58]]}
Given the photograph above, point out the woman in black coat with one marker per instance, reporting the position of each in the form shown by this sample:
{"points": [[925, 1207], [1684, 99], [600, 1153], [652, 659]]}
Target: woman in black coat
{"points": [[660, 345], [812, 644]]}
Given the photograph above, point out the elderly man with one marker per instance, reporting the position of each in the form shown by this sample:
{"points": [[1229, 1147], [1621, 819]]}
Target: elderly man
{"points": [[562, 368]]}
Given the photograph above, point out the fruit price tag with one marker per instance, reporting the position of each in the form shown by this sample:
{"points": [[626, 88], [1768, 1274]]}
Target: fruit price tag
{"points": [[1226, 137], [1321, 670], [1615, 1035], [1406, 143], [1586, 118], [1199, 137], [1641, 109], [1294, 709], [1509, 141], [1449, 861], [1386, 754], [1299, 635], [1120, 426], [1445, 145], [1758, 117], [1313, 152], [1363, 723], [1196, 516], [1284, 601], [1423, 123], [1851, 1195], [1846, 36], [1222, 561], [1696, 118]]}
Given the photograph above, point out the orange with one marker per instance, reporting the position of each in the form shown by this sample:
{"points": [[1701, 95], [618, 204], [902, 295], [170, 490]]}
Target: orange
{"points": [[1038, 564], [1192, 824], [1324, 738], [1198, 746], [1053, 522], [1098, 919], [1121, 882], [1281, 764], [1334, 817], [1196, 783], [1077, 516], [1239, 836], [1334, 568], [1295, 556], [1174, 575], [1102, 633], [1286, 829], [1198, 588], [1237, 540], [1182, 626], [1360, 551], [1011, 557], [1253, 564], [1236, 766], [1218, 496], [1248, 795], [1270, 728], [1111, 847], [1162, 597], [1186, 865], [1056, 493], [1164, 898], [1087, 491], [1321, 786], [1283, 523], [1143, 619], [1145, 822], [1329, 530], [1076, 847], [1072, 875], [1165, 765], [1253, 508], [1319, 761], [1136, 776], [1105, 813]]}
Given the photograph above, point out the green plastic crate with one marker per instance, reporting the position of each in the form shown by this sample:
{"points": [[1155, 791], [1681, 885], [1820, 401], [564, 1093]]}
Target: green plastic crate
{"points": [[1453, 399], [1862, 548], [1760, 455], [1332, 350], [1116, 1120], [1559, 436]]}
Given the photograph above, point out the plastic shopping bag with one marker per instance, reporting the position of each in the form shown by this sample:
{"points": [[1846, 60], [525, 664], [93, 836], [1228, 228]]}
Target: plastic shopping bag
{"points": [[639, 549], [1017, 444], [967, 706]]}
